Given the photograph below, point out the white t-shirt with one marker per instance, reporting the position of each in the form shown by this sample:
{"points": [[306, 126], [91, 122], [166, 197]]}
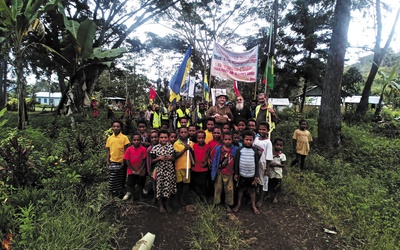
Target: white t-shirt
{"points": [[266, 146], [276, 172]]}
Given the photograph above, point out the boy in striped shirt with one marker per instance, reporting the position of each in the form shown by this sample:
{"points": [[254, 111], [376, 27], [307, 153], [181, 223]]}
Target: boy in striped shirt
{"points": [[246, 166]]}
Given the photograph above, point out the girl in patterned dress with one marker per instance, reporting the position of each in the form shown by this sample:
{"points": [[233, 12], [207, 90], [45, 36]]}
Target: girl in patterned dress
{"points": [[162, 156]]}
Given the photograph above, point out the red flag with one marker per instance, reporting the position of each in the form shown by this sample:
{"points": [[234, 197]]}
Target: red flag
{"points": [[235, 87], [153, 94]]}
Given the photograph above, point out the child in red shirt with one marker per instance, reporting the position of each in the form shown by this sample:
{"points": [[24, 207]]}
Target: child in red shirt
{"points": [[200, 170], [216, 141], [223, 171], [135, 158]]}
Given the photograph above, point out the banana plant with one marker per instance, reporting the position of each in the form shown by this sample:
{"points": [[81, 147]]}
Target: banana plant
{"points": [[83, 57], [16, 20], [389, 81]]}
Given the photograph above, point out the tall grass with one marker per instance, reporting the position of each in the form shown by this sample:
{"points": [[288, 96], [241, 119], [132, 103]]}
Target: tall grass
{"points": [[212, 229], [356, 191]]}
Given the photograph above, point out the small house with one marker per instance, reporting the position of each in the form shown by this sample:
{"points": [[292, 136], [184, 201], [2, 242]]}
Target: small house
{"points": [[352, 101], [47, 98], [280, 103], [116, 103]]}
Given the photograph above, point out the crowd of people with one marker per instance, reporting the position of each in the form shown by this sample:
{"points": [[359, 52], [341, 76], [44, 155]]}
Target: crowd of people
{"points": [[221, 153]]}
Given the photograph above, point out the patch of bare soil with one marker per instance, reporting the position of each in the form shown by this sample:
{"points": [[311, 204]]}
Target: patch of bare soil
{"points": [[279, 226]]}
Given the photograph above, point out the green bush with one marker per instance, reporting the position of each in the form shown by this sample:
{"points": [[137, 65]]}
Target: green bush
{"points": [[69, 224], [355, 191]]}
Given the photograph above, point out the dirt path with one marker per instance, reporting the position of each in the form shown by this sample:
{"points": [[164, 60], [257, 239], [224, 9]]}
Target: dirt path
{"points": [[279, 226]]}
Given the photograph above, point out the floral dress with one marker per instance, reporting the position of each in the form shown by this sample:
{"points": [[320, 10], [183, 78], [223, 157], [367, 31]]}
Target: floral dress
{"points": [[166, 180]]}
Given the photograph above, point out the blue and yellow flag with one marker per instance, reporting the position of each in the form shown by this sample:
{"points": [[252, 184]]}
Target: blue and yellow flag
{"points": [[206, 89], [179, 78]]}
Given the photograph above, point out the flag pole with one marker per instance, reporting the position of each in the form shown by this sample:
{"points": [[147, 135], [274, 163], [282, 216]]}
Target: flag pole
{"points": [[160, 99], [187, 160], [268, 58]]}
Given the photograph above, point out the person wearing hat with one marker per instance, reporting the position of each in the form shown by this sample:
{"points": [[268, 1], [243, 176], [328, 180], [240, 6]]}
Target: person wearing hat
{"points": [[155, 118], [220, 112]]}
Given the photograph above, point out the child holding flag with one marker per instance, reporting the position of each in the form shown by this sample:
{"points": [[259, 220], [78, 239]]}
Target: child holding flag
{"points": [[184, 158]]}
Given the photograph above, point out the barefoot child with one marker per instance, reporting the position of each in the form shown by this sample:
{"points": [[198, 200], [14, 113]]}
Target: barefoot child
{"points": [[181, 146], [301, 144], [223, 171], [216, 141], [246, 166], [151, 170], [163, 157], [135, 159], [116, 145], [275, 170], [200, 170], [264, 143]]}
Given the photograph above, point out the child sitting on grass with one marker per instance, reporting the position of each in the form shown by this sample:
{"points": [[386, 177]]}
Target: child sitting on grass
{"points": [[246, 169]]}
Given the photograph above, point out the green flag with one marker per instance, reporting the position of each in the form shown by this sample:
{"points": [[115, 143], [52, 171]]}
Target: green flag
{"points": [[269, 73]]}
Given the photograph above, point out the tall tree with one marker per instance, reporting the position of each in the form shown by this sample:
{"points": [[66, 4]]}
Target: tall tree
{"points": [[379, 54], [310, 20], [3, 81], [329, 120], [20, 24], [352, 80], [114, 21]]}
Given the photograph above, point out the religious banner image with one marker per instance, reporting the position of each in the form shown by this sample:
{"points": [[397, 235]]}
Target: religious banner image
{"points": [[239, 66]]}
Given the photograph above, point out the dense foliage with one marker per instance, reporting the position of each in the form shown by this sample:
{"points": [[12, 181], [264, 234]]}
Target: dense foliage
{"points": [[52, 185]]}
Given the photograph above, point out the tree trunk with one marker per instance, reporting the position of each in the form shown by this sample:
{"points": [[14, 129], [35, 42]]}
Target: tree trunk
{"points": [[3, 82], [22, 112], [379, 54], [329, 120], [89, 76]]}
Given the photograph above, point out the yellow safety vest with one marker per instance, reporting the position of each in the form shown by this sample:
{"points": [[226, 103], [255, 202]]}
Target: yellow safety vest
{"points": [[164, 115], [200, 124], [180, 114], [272, 125], [156, 120]]}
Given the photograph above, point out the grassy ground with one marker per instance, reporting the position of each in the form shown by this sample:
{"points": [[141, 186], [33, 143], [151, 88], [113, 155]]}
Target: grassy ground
{"points": [[354, 191]]}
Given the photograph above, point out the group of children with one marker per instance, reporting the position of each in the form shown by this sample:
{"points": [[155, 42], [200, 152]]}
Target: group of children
{"points": [[216, 162]]}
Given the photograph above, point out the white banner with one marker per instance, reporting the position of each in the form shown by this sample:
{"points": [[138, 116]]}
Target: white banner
{"points": [[192, 85], [239, 66]]}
